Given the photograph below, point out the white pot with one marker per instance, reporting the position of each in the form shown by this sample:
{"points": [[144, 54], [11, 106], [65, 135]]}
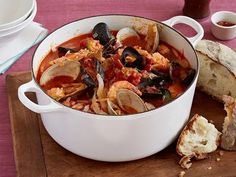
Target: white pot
{"points": [[114, 138]]}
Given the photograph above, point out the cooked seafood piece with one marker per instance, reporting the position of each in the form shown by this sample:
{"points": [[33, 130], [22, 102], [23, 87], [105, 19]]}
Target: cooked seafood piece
{"points": [[137, 60], [112, 92], [125, 33], [130, 102], [89, 75], [152, 38], [65, 68], [101, 32], [189, 77], [117, 72], [112, 108], [67, 90], [62, 51]]}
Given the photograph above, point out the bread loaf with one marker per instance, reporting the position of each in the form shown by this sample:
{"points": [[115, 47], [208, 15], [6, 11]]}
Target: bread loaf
{"points": [[228, 139], [217, 75], [198, 138]]}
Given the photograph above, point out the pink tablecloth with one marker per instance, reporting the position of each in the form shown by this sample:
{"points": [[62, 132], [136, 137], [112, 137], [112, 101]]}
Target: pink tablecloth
{"points": [[55, 13]]}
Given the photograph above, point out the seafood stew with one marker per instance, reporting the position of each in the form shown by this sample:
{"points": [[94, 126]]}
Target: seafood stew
{"points": [[115, 72]]}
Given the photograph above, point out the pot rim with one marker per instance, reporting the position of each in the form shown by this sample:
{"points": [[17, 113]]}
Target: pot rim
{"points": [[110, 117]]}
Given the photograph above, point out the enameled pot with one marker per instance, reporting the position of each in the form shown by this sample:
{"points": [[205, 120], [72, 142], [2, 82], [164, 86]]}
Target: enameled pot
{"points": [[114, 138]]}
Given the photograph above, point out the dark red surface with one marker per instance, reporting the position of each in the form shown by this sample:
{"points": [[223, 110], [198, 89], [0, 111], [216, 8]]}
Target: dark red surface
{"points": [[54, 13]]}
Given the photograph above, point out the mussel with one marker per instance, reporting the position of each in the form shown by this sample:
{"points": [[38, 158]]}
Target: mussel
{"points": [[101, 32], [139, 61], [66, 68], [88, 75], [155, 87], [174, 72], [189, 77], [62, 51]]}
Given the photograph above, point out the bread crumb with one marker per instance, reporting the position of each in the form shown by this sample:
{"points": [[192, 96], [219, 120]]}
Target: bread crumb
{"points": [[221, 153], [181, 174], [218, 159], [185, 162], [212, 121], [201, 156], [209, 168]]}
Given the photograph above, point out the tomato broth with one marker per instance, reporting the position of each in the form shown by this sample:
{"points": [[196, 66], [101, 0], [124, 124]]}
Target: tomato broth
{"points": [[156, 77]]}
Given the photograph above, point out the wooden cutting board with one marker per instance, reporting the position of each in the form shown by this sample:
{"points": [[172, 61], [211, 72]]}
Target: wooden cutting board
{"points": [[38, 155]]}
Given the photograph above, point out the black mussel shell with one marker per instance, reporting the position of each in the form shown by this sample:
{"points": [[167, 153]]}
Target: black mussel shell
{"points": [[87, 79], [163, 94], [139, 61], [109, 48], [90, 80], [157, 81], [164, 76], [100, 69], [189, 78], [101, 32], [63, 50], [174, 69]]}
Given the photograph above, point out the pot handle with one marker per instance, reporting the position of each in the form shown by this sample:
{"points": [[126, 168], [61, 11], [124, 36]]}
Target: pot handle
{"points": [[31, 87], [190, 22]]}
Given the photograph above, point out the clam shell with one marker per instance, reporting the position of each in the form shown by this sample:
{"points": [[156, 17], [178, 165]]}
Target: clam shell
{"points": [[125, 33], [66, 68], [127, 99]]}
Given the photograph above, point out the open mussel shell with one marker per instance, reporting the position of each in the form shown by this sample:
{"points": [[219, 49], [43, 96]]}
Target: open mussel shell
{"points": [[152, 38], [101, 32], [130, 102], [66, 68], [125, 33], [62, 51], [90, 78], [139, 61]]}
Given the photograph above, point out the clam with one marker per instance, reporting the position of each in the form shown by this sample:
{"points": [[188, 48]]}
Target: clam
{"points": [[125, 33], [152, 38], [112, 108], [66, 68], [130, 102]]}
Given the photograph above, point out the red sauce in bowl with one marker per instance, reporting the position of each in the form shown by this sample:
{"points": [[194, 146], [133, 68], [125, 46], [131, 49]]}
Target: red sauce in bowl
{"points": [[225, 23]]}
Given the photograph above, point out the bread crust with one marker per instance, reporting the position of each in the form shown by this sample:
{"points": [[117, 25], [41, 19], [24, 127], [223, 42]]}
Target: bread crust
{"points": [[188, 126], [219, 53], [192, 137], [228, 139], [217, 75]]}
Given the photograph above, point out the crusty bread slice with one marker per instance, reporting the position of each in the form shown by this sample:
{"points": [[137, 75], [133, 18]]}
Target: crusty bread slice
{"points": [[228, 139], [217, 75], [198, 138]]}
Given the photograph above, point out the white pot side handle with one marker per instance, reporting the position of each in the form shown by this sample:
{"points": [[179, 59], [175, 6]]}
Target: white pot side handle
{"points": [[31, 87], [190, 22]]}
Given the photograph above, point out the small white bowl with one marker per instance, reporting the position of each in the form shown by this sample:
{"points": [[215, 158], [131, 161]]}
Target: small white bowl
{"points": [[13, 12], [11, 33], [223, 32]]}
